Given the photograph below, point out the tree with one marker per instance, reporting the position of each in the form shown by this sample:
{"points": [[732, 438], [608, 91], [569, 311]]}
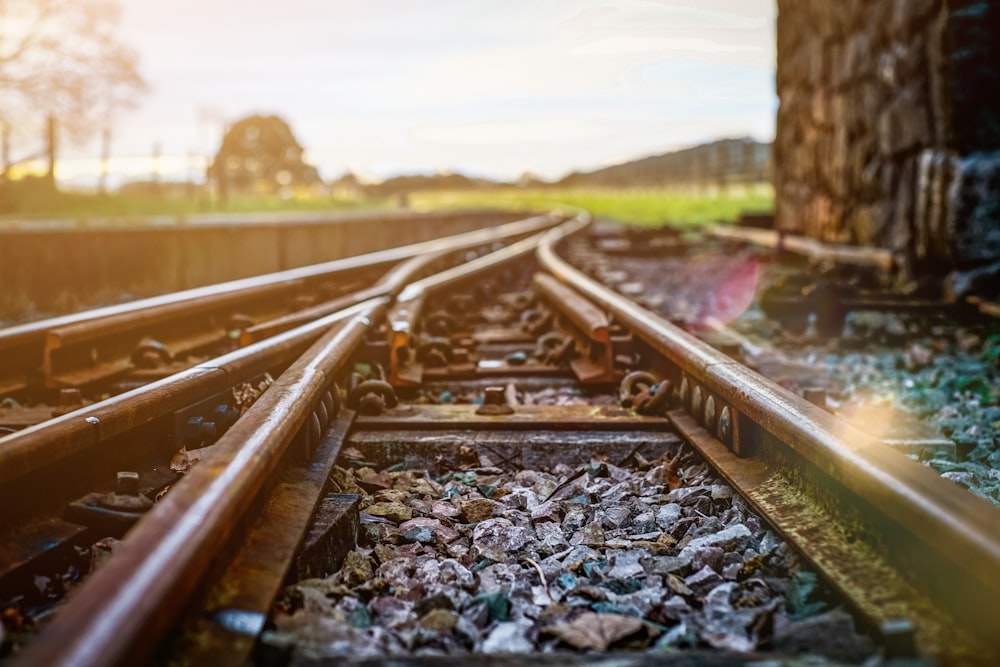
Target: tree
{"points": [[260, 155], [62, 59]]}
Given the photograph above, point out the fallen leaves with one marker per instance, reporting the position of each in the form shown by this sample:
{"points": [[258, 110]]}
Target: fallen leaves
{"points": [[595, 631]]}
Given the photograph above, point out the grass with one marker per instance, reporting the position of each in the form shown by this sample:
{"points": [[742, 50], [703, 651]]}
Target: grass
{"points": [[647, 207], [36, 201]]}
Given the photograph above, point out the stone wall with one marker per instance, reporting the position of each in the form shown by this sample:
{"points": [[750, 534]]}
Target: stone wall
{"points": [[888, 129]]}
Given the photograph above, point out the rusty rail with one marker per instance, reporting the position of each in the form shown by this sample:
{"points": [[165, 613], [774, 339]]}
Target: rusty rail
{"points": [[406, 310], [596, 365], [944, 540], [169, 552], [36, 447], [28, 347], [815, 251]]}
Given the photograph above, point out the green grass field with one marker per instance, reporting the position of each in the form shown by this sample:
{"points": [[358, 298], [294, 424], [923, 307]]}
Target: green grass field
{"points": [[649, 207], [132, 207], [646, 207]]}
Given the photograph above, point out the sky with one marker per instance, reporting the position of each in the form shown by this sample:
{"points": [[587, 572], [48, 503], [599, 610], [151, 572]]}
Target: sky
{"points": [[483, 87]]}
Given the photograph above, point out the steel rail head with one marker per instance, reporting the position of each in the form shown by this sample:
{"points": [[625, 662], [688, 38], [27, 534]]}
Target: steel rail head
{"points": [[390, 284], [486, 262], [22, 333], [406, 310], [953, 523], [26, 451], [120, 614], [36, 447], [583, 313]]}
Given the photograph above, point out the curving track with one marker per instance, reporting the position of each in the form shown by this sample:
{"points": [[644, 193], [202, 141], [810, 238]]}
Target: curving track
{"points": [[917, 558]]}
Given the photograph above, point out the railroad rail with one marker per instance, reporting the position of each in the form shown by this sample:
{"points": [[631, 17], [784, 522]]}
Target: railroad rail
{"points": [[916, 557], [76, 350]]}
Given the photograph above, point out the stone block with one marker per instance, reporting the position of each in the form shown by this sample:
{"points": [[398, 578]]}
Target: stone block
{"points": [[974, 209], [866, 224], [907, 17], [819, 107], [903, 124], [858, 60], [973, 58], [902, 223]]}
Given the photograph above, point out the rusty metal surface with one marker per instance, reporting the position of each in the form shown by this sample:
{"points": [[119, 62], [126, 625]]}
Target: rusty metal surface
{"points": [[406, 310], [38, 446], [530, 449], [22, 347], [165, 557], [892, 426], [811, 248], [858, 571], [536, 417], [20, 544], [584, 314], [390, 284], [254, 577], [951, 535]]}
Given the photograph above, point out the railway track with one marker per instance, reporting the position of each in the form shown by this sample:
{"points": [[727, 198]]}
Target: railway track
{"points": [[374, 387]]}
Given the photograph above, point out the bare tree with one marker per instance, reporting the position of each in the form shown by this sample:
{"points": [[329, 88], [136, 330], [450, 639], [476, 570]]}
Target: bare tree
{"points": [[62, 59]]}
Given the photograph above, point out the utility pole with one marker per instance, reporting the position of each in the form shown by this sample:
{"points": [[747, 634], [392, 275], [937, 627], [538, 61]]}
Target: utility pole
{"points": [[749, 168], [4, 150], [50, 175], [222, 170], [157, 151], [102, 184], [722, 164]]}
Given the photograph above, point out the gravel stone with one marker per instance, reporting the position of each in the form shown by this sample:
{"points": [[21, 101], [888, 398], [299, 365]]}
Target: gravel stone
{"points": [[468, 573], [478, 509], [396, 512], [508, 638]]}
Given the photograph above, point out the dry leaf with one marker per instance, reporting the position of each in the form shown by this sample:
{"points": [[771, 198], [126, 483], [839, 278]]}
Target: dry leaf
{"points": [[353, 453], [595, 631], [677, 585], [373, 481], [182, 461], [245, 394], [185, 459]]}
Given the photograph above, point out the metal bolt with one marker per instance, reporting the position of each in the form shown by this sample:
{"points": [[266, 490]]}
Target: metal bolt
{"points": [[696, 402], [225, 415], [816, 396], [322, 414], [710, 414], [898, 639], [126, 496], [726, 426], [494, 396], [199, 430], [70, 399], [308, 436], [328, 401], [494, 402], [127, 483]]}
